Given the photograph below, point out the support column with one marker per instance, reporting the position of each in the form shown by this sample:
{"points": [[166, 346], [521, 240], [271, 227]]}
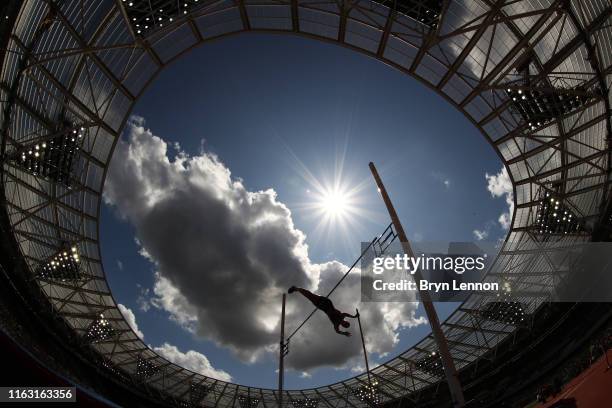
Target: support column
{"points": [[281, 350], [365, 351], [447, 361]]}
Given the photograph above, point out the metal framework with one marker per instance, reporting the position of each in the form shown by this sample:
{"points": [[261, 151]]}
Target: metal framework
{"points": [[86, 62], [305, 403]]}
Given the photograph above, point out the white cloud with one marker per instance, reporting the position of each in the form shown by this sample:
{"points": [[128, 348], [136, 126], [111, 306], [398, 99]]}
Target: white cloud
{"points": [[170, 299], [480, 234], [192, 360], [144, 299], [119, 265], [131, 319], [305, 374], [500, 185], [223, 255], [505, 220]]}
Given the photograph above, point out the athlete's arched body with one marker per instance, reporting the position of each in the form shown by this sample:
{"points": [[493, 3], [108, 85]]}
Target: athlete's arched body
{"points": [[321, 302]]}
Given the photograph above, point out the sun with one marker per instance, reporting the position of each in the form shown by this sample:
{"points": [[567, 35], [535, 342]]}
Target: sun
{"points": [[334, 203], [335, 206]]}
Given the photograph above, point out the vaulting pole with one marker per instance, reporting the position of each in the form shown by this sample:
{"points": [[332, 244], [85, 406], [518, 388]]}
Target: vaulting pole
{"points": [[447, 361], [281, 364]]}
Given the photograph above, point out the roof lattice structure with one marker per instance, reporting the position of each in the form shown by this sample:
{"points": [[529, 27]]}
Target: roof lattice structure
{"points": [[86, 62]]}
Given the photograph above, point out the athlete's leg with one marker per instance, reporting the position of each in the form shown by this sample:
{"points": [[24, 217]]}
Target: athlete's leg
{"points": [[309, 295]]}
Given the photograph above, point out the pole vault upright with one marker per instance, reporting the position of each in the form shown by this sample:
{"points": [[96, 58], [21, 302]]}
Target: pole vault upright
{"points": [[282, 353], [447, 361]]}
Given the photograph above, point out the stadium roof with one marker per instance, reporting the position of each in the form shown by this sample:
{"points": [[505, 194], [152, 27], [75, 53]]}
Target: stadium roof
{"points": [[533, 76]]}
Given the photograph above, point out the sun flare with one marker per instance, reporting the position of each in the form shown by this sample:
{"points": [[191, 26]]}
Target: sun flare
{"points": [[336, 208], [334, 203]]}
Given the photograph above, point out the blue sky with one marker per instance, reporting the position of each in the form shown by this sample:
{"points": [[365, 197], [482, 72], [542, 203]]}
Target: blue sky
{"points": [[264, 104]]}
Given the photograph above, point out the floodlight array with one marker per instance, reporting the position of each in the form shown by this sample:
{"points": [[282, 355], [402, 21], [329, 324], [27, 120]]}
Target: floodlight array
{"points": [[52, 159], [247, 402], [99, 330], [305, 403], [432, 364], [552, 217], [538, 106], [63, 266], [505, 312], [147, 15], [110, 67], [145, 368], [368, 393], [108, 365], [197, 392], [426, 12]]}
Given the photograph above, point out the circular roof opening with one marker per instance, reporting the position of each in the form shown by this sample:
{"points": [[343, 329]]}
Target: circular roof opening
{"points": [[84, 65]]}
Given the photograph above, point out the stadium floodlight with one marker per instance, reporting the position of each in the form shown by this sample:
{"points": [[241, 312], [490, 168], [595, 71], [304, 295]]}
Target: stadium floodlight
{"points": [[553, 217], [539, 105], [305, 403], [111, 367], [145, 368], [247, 402], [149, 15], [64, 266], [197, 392], [52, 157], [425, 12], [431, 364], [368, 393], [511, 312], [99, 329]]}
